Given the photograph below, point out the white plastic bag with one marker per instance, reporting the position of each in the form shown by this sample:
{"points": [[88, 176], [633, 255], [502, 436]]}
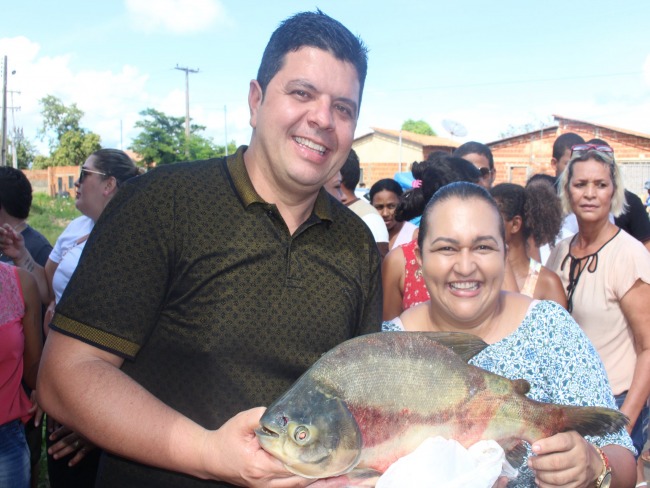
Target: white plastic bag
{"points": [[445, 463]]}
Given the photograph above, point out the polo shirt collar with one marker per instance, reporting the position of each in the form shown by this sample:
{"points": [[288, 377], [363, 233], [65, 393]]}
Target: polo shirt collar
{"points": [[247, 194]]}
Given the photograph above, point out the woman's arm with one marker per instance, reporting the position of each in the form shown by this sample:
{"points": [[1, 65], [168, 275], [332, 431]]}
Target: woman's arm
{"points": [[12, 244], [549, 287], [634, 305], [392, 276], [31, 328]]}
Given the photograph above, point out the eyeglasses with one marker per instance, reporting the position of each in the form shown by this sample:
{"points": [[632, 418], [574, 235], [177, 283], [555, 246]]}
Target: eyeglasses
{"points": [[485, 172], [85, 171], [581, 149]]}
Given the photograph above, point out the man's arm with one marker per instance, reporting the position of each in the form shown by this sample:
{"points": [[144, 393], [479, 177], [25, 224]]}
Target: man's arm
{"points": [[83, 387]]}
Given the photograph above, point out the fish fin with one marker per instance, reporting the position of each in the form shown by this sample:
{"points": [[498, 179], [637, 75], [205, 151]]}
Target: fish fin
{"points": [[465, 345], [358, 477], [516, 453], [521, 386], [593, 420]]}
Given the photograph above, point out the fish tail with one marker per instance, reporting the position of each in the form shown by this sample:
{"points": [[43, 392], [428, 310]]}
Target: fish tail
{"points": [[596, 421]]}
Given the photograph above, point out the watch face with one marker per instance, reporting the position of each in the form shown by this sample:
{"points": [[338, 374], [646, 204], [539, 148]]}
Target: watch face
{"points": [[607, 480]]}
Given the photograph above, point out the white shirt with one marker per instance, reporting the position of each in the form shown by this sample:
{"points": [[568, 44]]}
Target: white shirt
{"points": [[67, 251]]}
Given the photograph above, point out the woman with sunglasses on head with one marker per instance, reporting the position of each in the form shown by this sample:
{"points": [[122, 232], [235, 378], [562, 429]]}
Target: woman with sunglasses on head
{"points": [[606, 273], [100, 178]]}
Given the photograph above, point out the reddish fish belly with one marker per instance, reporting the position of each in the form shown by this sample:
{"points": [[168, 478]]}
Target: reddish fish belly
{"points": [[388, 436]]}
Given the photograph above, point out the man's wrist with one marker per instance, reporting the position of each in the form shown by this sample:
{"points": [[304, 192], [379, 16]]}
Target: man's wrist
{"points": [[604, 472]]}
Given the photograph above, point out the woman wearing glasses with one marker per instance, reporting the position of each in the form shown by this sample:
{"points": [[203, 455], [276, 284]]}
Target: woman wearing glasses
{"points": [[606, 273], [100, 178]]}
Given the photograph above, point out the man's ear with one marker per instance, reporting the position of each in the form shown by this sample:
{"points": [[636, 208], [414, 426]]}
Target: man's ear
{"points": [[255, 98], [554, 163]]}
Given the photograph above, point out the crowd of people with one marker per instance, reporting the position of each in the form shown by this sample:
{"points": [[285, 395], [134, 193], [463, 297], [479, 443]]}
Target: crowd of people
{"points": [[184, 298]]}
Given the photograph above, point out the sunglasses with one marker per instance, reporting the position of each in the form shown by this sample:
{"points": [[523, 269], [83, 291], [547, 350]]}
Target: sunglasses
{"points": [[485, 172], [85, 171], [581, 149]]}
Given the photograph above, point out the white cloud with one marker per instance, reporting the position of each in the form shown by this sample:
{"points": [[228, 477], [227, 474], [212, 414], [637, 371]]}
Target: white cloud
{"points": [[178, 16]]}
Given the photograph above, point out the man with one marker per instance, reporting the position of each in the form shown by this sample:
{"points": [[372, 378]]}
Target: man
{"points": [[480, 156], [562, 151], [350, 175], [333, 186], [209, 287]]}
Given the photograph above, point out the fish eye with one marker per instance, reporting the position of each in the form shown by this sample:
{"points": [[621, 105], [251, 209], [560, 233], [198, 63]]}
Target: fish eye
{"points": [[301, 435]]}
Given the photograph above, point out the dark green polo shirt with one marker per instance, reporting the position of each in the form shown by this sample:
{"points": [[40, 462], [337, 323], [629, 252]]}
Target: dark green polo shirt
{"points": [[196, 281]]}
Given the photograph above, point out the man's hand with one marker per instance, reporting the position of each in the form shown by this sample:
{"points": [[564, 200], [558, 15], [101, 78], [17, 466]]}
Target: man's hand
{"points": [[234, 454]]}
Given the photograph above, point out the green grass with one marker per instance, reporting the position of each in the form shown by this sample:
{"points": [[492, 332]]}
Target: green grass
{"points": [[51, 215]]}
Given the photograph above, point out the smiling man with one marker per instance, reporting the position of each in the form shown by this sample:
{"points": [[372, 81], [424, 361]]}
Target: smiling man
{"points": [[207, 288]]}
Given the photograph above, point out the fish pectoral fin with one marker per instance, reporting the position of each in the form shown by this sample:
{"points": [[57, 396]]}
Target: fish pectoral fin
{"points": [[357, 477], [516, 452], [464, 345]]}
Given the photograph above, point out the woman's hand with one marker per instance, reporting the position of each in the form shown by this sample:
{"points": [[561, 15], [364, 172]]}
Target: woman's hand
{"points": [[566, 460], [69, 442], [12, 243]]}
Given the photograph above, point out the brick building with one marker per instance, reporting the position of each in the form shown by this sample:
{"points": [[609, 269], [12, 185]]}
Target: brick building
{"points": [[384, 152], [517, 158]]}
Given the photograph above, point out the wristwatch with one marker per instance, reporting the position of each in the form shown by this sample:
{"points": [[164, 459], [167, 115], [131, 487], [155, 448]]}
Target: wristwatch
{"points": [[605, 478]]}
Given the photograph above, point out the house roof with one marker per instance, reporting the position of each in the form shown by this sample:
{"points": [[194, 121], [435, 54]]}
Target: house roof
{"points": [[609, 127], [416, 138]]}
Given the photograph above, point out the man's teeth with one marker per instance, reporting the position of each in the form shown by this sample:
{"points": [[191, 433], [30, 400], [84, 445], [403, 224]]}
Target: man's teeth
{"points": [[311, 145], [465, 285]]}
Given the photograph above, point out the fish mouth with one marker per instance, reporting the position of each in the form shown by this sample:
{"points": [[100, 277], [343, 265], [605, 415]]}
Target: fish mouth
{"points": [[264, 431]]}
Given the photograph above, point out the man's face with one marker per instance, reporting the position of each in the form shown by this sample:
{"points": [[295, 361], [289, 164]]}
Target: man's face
{"points": [[333, 186], [304, 124], [560, 165], [483, 165]]}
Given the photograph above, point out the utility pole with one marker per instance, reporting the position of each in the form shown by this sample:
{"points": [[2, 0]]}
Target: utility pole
{"points": [[187, 107], [14, 137], [3, 159]]}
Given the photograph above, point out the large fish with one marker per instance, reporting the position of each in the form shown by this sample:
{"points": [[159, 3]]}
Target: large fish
{"points": [[375, 398]]}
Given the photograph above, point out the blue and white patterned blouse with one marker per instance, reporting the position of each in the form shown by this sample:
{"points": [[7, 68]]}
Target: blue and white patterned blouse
{"points": [[550, 351]]}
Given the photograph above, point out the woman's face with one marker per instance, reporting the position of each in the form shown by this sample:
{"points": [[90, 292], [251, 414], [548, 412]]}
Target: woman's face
{"points": [[385, 202], [591, 190], [90, 198], [463, 261]]}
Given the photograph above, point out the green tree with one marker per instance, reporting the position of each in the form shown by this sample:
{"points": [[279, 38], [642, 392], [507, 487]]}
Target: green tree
{"points": [[70, 144], [25, 153], [58, 119], [418, 127], [74, 148], [162, 140]]}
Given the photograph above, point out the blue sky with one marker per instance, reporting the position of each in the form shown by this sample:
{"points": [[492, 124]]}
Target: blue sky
{"points": [[487, 65]]}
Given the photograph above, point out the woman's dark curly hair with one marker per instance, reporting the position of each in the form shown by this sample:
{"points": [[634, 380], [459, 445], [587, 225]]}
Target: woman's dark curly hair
{"points": [[434, 173], [537, 205]]}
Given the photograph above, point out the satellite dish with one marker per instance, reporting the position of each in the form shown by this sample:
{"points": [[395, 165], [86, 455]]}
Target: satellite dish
{"points": [[454, 128]]}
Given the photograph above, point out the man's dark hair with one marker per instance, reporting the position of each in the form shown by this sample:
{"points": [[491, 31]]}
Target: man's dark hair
{"points": [[351, 171], [564, 142], [473, 147], [313, 29], [600, 142], [15, 192]]}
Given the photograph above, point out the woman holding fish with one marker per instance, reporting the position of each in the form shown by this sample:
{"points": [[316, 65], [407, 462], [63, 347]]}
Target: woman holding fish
{"points": [[607, 275], [461, 251]]}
